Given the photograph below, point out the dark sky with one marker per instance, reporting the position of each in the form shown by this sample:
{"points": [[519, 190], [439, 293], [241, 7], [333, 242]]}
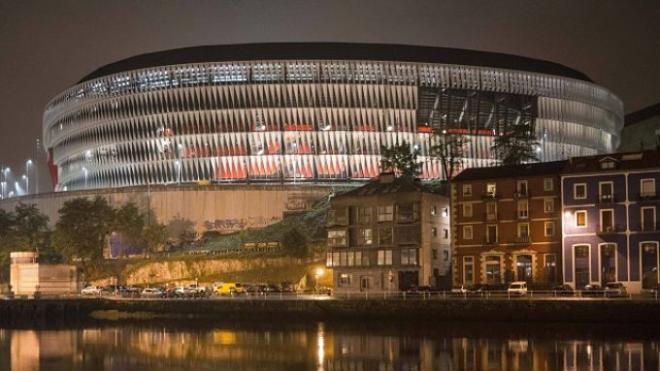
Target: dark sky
{"points": [[46, 46]]}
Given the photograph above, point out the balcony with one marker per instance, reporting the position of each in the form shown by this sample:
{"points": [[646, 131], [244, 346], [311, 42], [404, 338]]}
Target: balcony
{"points": [[490, 216], [606, 199], [521, 239], [490, 241], [489, 196], [521, 194], [522, 215], [609, 229]]}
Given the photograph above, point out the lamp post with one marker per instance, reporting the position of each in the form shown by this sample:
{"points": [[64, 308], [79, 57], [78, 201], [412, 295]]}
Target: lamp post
{"points": [[85, 172], [28, 165]]}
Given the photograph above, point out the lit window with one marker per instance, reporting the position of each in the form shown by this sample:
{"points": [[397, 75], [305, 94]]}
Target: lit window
{"points": [[445, 212], [385, 213], [434, 230], [491, 189], [523, 210], [580, 191], [549, 205], [607, 165], [523, 230], [365, 236], [384, 257], [337, 237], [580, 218], [408, 256], [647, 187]]}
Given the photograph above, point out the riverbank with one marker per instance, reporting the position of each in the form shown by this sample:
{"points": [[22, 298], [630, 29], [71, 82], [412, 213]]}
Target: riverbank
{"points": [[519, 310]]}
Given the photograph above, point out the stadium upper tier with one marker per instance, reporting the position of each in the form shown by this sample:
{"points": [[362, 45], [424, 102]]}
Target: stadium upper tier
{"points": [[311, 112]]}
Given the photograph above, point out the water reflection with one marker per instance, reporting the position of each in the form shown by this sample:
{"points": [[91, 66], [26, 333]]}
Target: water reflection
{"points": [[326, 347]]}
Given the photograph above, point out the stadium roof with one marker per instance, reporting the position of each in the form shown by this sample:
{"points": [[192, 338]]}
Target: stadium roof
{"points": [[335, 51]]}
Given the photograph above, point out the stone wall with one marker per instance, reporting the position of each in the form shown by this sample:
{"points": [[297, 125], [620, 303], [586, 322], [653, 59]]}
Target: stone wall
{"points": [[223, 208]]}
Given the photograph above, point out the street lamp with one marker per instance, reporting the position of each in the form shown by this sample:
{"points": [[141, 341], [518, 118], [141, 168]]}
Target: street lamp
{"points": [[28, 165], [85, 172], [27, 183]]}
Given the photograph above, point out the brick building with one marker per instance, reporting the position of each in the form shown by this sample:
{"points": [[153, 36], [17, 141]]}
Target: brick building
{"points": [[506, 224], [388, 235]]}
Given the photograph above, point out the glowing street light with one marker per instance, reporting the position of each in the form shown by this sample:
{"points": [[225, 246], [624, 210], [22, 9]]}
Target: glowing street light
{"points": [[28, 165], [85, 173]]}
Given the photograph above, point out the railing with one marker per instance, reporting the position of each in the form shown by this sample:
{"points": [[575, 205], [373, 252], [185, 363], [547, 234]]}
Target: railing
{"points": [[521, 239], [523, 194], [495, 295], [489, 195], [610, 229], [490, 241]]}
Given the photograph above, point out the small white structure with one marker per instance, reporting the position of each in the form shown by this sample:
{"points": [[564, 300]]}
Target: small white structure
{"points": [[28, 276]]}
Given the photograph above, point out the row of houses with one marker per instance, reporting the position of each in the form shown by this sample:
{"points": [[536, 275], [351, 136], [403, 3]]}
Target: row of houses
{"points": [[587, 220]]}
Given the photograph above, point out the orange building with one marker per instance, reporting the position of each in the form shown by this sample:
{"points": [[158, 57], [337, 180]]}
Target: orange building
{"points": [[506, 224]]}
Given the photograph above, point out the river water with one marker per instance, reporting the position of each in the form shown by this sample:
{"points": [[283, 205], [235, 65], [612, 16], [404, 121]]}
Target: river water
{"points": [[331, 347]]}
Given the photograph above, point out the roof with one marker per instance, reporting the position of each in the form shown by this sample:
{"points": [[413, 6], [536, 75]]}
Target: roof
{"points": [[642, 115], [624, 161], [335, 51], [534, 169], [388, 184]]}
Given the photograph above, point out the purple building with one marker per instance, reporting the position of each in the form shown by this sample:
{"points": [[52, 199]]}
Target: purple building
{"points": [[611, 230]]}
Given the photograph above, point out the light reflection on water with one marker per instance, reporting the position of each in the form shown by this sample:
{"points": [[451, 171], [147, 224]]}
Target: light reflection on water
{"points": [[325, 347]]}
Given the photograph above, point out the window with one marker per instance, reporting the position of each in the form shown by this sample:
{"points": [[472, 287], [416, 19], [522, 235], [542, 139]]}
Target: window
{"points": [[408, 256], [524, 270], [364, 215], [549, 229], [468, 270], [491, 233], [407, 213], [351, 259], [549, 205], [445, 212], [365, 236], [523, 230], [434, 254], [358, 258], [434, 230], [607, 165], [467, 210], [337, 237], [467, 232], [605, 191], [344, 279], [491, 210], [491, 189], [434, 210], [521, 188], [467, 190], [648, 218], [338, 216], [335, 259], [523, 209], [493, 271], [445, 255], [550, 267], [581, 218], [445, 233], [579, 191], [328, 260], [385, 213], [548, 184], [384, 257], [407, 234], [647, 187], [607, 220], [385, 236]]}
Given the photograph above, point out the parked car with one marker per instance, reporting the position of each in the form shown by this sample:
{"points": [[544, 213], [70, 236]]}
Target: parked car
{"points": [[129, 291], [91, 290], [593, 290], [152, 292], [563, 290], [518, 288], [184, 292], [615, 290], [229, 288]]}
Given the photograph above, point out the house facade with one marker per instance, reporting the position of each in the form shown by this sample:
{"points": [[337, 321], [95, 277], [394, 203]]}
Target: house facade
{"points": [[610, 226], [388, 235], [506, 224]]}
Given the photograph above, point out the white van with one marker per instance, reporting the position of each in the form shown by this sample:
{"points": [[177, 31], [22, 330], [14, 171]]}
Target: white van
{"points": [[517, 288]]}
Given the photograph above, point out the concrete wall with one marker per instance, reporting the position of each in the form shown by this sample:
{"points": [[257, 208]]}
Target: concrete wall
{"points": [[55, 279], [223, 208]]}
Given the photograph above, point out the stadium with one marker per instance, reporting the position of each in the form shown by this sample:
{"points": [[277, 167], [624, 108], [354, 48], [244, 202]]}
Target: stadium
{"points": [[295, 113]]}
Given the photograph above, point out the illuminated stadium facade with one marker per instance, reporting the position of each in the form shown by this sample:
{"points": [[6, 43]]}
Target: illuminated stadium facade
{"points": [[316, 112]]}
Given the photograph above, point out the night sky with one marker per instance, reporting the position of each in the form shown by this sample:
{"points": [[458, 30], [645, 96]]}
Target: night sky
{"points": [[46, 46]]}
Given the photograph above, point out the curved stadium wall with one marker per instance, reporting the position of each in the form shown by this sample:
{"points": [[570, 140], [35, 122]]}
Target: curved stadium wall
{"points": [[295, 117]]}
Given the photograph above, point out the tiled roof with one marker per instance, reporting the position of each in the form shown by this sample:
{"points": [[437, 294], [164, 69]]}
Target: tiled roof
{"points": [[623, 161], [540, 168], [388, 184]]}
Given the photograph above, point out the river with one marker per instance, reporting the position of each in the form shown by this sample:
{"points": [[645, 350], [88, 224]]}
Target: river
{"points": [[330, 347]]}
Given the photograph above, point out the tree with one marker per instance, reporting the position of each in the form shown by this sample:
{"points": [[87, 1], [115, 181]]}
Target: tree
{"points": [[154, 236], [295, 242], [129, 222], [182, 231], [516, 144], [30, 231], [450, 150], [399, 159], [82, 228]]}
